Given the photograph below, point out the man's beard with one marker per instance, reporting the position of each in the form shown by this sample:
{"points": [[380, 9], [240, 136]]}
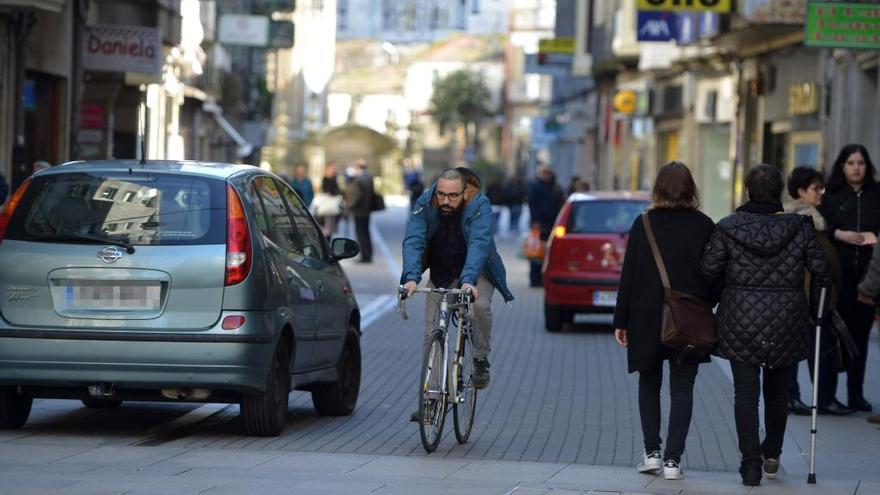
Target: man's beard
{"points": [[447, 210]]}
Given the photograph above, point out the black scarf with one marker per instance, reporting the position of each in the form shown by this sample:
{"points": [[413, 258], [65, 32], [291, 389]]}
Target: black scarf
{"points": [[761, 207]]}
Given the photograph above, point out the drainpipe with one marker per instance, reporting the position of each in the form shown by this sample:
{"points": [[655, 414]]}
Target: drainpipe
{"points": [[22, 24], [80, 10]]}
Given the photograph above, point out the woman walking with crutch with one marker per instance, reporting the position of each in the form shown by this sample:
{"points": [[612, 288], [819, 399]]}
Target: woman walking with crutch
{"points": [[761, 256]]}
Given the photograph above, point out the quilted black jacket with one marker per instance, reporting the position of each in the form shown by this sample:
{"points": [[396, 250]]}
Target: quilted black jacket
{"points": [[763, 316]]}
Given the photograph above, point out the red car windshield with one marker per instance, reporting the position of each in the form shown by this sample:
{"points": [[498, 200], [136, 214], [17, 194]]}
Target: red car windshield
{"points": [[604, 216]]}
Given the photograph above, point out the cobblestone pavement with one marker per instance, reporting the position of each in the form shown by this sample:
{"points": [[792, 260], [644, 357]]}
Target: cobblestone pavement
{"points": [[554, 398]]}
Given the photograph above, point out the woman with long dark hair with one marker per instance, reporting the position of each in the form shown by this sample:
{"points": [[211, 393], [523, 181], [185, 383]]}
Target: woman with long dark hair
{"points": [[681, 231], [851, 206]]}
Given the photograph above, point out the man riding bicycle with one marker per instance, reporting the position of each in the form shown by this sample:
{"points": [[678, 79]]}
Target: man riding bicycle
{"points": [[450, 231]]}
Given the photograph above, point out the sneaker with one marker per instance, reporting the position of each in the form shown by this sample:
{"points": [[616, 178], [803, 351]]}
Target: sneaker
{"points": [[671, 470], [414, 417], [771, 468], [650, 462], [751, 475], [480, 375], [860, 404]]}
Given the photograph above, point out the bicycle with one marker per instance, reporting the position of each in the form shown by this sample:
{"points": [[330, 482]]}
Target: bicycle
{"points": [[442, 383]]}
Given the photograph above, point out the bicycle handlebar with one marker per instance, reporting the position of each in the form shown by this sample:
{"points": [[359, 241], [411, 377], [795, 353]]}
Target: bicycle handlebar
{"points": [[401, 296]]}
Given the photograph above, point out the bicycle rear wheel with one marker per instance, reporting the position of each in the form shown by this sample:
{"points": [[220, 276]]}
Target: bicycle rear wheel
{"points": [[464, 409], [432, 397]]}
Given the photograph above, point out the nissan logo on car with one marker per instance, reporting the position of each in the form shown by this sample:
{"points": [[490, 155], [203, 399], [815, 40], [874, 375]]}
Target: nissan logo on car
{"points": [[110, 254]]}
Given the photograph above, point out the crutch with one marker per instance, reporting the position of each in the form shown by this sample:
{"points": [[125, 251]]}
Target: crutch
{"points": [[811, 478]]}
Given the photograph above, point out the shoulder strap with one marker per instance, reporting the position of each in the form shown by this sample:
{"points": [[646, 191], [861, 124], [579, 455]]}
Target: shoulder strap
{"points": [[661, 267]]}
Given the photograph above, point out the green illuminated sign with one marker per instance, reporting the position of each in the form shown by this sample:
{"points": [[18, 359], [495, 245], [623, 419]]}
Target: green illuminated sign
{"points": [[843, 25]]}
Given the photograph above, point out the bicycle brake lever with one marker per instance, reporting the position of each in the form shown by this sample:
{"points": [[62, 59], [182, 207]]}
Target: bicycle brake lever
{"points": [[401, 307]]}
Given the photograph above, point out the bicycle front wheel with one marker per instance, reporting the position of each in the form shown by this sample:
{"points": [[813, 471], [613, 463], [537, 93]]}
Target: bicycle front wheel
{"points": [[432, 396], [466, 406]]}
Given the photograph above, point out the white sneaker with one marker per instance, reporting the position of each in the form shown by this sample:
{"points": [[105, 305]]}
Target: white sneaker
{"points": [[672, 471], [650, 462]]}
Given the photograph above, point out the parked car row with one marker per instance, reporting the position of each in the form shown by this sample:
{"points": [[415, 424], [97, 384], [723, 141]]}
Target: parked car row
{"points": [[177, 281]]}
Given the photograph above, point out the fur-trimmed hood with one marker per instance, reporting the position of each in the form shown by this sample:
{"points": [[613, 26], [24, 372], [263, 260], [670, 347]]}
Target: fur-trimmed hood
{"points": [[803, 208]]}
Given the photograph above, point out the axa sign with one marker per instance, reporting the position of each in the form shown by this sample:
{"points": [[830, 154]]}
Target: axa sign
{"points": [[720, 6], [656, 26], [118, 48]]}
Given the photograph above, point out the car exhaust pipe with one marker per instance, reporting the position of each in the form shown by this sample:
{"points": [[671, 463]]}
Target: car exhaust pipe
{"points": [[102, 390], [185, 393]]}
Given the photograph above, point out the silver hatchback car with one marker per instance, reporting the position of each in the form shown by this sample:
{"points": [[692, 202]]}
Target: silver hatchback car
{"points": [[176, 281]]}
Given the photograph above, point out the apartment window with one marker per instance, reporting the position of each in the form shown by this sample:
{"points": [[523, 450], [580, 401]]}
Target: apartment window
{"points": [[128, 197], [109, 193]]}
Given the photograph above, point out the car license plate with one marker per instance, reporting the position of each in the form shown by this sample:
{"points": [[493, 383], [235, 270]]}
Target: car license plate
{"points": [[605, 298], [114, 297]]}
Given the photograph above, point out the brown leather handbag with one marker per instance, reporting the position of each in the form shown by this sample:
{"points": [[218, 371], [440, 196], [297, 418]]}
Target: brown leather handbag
{"points": [[688, 322]]}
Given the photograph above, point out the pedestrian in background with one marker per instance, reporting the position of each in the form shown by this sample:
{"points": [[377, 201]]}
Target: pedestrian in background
{"points": [[515, 196], [545, 200], [495, 192], [852, 208], [805, 186], [359, 200], [576, 184], [680, 231], [869, 291], [327, 205], [764, 326], [412, 179], [302, 185]]}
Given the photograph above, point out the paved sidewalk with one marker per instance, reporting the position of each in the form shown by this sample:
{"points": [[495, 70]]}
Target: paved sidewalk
{"points": [[85, 470]]}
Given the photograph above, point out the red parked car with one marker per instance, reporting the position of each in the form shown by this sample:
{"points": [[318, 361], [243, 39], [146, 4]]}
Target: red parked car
{"points": [[584, 254]]}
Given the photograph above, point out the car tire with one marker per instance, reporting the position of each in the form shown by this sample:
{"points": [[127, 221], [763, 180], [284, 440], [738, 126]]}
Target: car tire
{"points": [[95, 403], [14, 408], [552, 318], [339, 398], [264, 414]]}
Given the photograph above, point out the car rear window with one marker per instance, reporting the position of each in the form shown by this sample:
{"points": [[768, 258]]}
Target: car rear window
{"points": [[138, 208], [603, 216]]}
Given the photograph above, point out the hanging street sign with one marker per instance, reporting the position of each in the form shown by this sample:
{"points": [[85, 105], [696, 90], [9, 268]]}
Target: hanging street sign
{"points": [[719, 6], [656, 26], [843, 25]]}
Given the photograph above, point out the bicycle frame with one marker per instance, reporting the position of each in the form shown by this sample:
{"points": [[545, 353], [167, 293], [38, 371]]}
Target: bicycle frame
{"points": [[442, 326]]}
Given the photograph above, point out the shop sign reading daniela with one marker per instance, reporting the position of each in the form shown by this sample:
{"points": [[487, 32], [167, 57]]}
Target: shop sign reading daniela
{"points": [[117, 48]]}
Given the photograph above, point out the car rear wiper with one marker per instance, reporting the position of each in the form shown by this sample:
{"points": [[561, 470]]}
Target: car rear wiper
{"points": [[75, 235]]}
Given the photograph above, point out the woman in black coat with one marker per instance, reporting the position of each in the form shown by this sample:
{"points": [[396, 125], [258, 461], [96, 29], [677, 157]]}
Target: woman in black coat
{"points": [[761, 255], [852, 208], [681, 232]]}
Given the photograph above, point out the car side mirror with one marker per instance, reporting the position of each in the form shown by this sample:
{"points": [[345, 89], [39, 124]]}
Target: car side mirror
{"points": [[343, 248]]}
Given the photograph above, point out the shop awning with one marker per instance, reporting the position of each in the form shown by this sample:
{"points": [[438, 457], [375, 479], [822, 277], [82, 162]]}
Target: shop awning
{"points": [[47, 5]]}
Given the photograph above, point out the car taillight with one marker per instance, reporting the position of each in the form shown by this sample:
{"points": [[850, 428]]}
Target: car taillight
{"points": [[10, 207], [233, 322], [238, 239]]}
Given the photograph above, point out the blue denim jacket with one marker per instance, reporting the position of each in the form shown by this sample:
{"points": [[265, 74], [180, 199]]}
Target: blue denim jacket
{"points": [[482, 255]]}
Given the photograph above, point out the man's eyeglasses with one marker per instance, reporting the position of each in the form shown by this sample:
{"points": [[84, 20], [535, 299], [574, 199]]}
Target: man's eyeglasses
{"points": [[449, 196]]}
